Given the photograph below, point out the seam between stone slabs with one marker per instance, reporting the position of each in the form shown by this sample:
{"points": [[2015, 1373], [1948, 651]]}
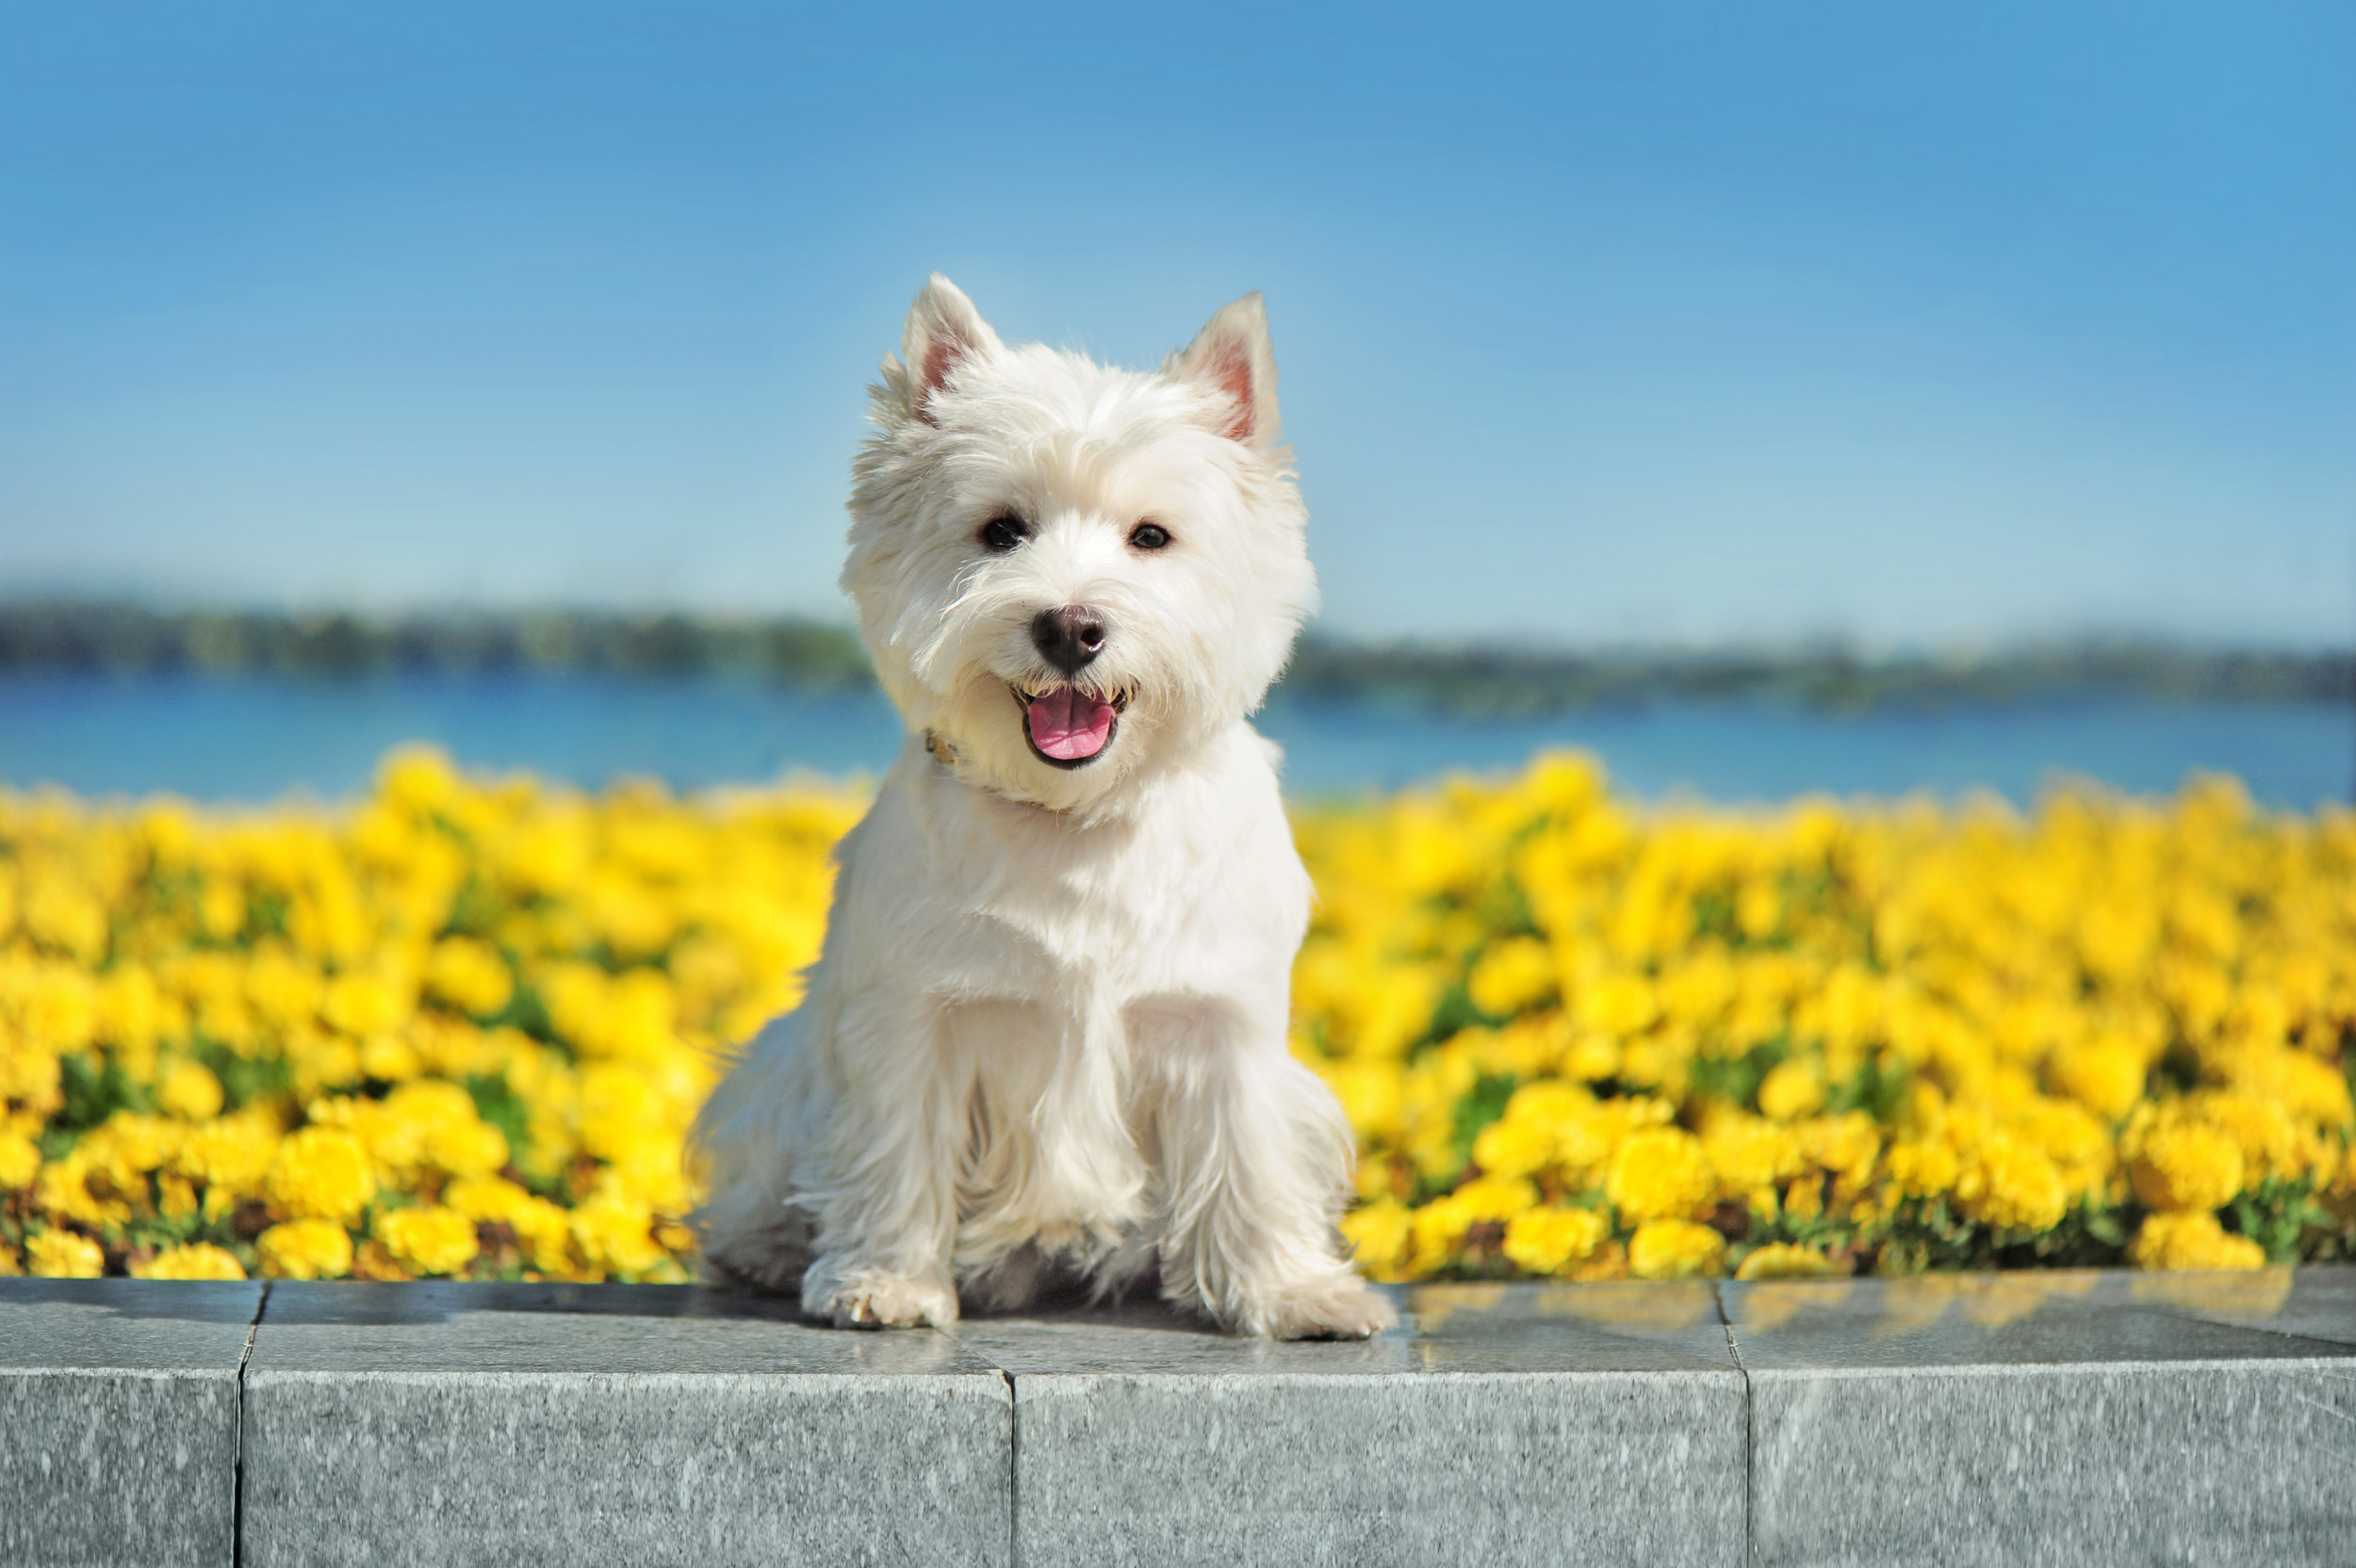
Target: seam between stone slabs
{"points": [[1750, 1422], [236, 1470], [1014, 1436], [1014, 1469], [236, 1494]]}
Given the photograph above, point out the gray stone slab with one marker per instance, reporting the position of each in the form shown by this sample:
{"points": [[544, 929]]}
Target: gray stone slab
{"points": [[1503, 1425], [118, 1420], [2019, 1419], [581, 1425]]}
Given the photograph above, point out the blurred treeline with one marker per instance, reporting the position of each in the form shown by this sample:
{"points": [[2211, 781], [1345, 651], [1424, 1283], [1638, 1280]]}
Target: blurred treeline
{"points": [[129, 639], [75, 637], [1513, 682]]}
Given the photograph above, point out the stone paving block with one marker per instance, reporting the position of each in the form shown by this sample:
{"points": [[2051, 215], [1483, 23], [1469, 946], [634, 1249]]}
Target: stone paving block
{"points": [[118, 1420], [2006, 1420], [581, 1425], [1505, 1425]]}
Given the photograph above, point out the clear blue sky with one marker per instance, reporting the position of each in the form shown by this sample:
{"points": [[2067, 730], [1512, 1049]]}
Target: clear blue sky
{"points": [[1626, 321]]}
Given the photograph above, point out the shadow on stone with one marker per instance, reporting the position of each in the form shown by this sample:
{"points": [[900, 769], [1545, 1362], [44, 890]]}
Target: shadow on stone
{"points": [[175, 1300]]}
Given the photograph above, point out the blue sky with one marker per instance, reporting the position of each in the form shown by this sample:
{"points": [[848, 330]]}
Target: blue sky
{"points": [[1597, 323]]}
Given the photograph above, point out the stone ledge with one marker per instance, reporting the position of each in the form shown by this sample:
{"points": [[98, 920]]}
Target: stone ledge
{"points": [[2063, 1417], [118, 1420]]}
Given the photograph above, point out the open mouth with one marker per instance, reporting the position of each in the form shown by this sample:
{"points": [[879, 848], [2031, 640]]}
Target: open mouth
{"points": [[1068, 727]]}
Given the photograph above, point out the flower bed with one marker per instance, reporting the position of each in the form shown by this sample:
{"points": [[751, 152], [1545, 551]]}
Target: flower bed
{"points": [[461, 1028]]}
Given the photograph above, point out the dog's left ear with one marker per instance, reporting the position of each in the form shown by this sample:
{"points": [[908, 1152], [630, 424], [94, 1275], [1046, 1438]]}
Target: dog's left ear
{"points": [[1231, 355]]}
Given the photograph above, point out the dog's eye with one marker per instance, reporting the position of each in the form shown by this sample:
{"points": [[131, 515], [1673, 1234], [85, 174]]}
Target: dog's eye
{"points": [[1001, 535], [1149, 536]]}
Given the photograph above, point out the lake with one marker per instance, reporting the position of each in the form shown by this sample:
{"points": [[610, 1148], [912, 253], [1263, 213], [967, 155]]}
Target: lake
{"points": [[253, 740]]}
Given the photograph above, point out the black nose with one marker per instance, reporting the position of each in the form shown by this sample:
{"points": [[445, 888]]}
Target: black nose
{"points": [[1069, 637]]}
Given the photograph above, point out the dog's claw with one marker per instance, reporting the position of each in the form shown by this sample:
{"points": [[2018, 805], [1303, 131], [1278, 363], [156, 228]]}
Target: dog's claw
{"points": [[877, 1301]]}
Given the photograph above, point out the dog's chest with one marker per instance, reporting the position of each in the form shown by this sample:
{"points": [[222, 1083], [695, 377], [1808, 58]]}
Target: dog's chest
{"points": [[1097, 901], [1177, 904]]}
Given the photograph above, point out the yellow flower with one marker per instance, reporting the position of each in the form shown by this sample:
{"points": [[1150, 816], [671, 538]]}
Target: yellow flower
{"points": [[1511, 976], [2012, 1186], [1675, 1249], [20, 1161], [1783, 1260], [29, 1074], [2105, 1075], [418, 779], [620, 1106], [429, 1240], [1920, 1170], [547, 1233], [1547, 1241], [366, 1005], [1378, 1233], [470, 976], [612, 1235], [319, 1173], [1371, 1097], [231, 1155], [1491, 1199], [469, 1148], [63, 1191], [59, 1008], [306, 1249], [62, 914], [2189, 1240], [196, 1261], [2270, 1143], [1618, 1004], [1792, 1091], [64, 1255], [188, 1090], [2186, 1166], [1748, 1153], [1513, 1146], [1660, 1174]]}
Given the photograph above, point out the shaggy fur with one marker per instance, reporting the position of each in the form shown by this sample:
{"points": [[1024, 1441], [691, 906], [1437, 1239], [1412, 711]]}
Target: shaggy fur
{"points": [[1046, 1040]]}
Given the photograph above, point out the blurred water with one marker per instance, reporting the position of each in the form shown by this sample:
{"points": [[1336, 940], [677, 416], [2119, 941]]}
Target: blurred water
{"points": [[258, 740]]}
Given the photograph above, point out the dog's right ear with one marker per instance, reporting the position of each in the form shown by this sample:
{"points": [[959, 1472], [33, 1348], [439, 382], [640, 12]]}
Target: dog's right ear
{"points": [[943, 332]]}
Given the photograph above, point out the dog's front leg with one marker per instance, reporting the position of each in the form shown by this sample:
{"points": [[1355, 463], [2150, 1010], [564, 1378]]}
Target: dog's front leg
{"points": [[883, 1191], [1254, 1164]]}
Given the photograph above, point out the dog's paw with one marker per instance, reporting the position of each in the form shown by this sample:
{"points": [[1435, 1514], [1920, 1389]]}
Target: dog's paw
{"points": [[867, 1298], [1348, 1309]]}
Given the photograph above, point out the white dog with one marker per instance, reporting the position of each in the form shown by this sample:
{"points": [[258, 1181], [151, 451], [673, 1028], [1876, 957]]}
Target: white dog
{"points": [[1046, 1039]]}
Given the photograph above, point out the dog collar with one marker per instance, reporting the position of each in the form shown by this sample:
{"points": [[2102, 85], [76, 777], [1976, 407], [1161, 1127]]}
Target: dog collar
{"points": [[946, 755]]}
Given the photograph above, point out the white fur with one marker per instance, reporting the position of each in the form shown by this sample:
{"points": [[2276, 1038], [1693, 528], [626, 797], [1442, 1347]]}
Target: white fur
{"points": [[1047, 1034]]}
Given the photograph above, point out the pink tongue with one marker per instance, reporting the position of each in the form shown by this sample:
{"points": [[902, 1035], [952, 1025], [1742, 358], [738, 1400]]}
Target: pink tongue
{"points": [[1067, 723]]}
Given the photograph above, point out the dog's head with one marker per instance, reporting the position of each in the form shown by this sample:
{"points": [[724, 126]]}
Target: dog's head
{"points": [[1071, 574]]}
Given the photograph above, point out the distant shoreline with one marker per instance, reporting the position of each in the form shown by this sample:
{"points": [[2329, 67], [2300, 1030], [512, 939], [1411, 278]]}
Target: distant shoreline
{"points": [[54, 637]]}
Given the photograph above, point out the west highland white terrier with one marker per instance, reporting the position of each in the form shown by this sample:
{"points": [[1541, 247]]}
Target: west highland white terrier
{"points": [[1046, 1039]]}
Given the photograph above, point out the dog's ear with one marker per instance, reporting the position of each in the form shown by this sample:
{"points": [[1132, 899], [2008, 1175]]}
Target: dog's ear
{"points": [[1231, 356], [943, 330]]}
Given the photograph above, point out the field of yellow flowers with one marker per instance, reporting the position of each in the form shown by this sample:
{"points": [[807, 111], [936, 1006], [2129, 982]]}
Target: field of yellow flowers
{"points": [[461, 1027]]}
